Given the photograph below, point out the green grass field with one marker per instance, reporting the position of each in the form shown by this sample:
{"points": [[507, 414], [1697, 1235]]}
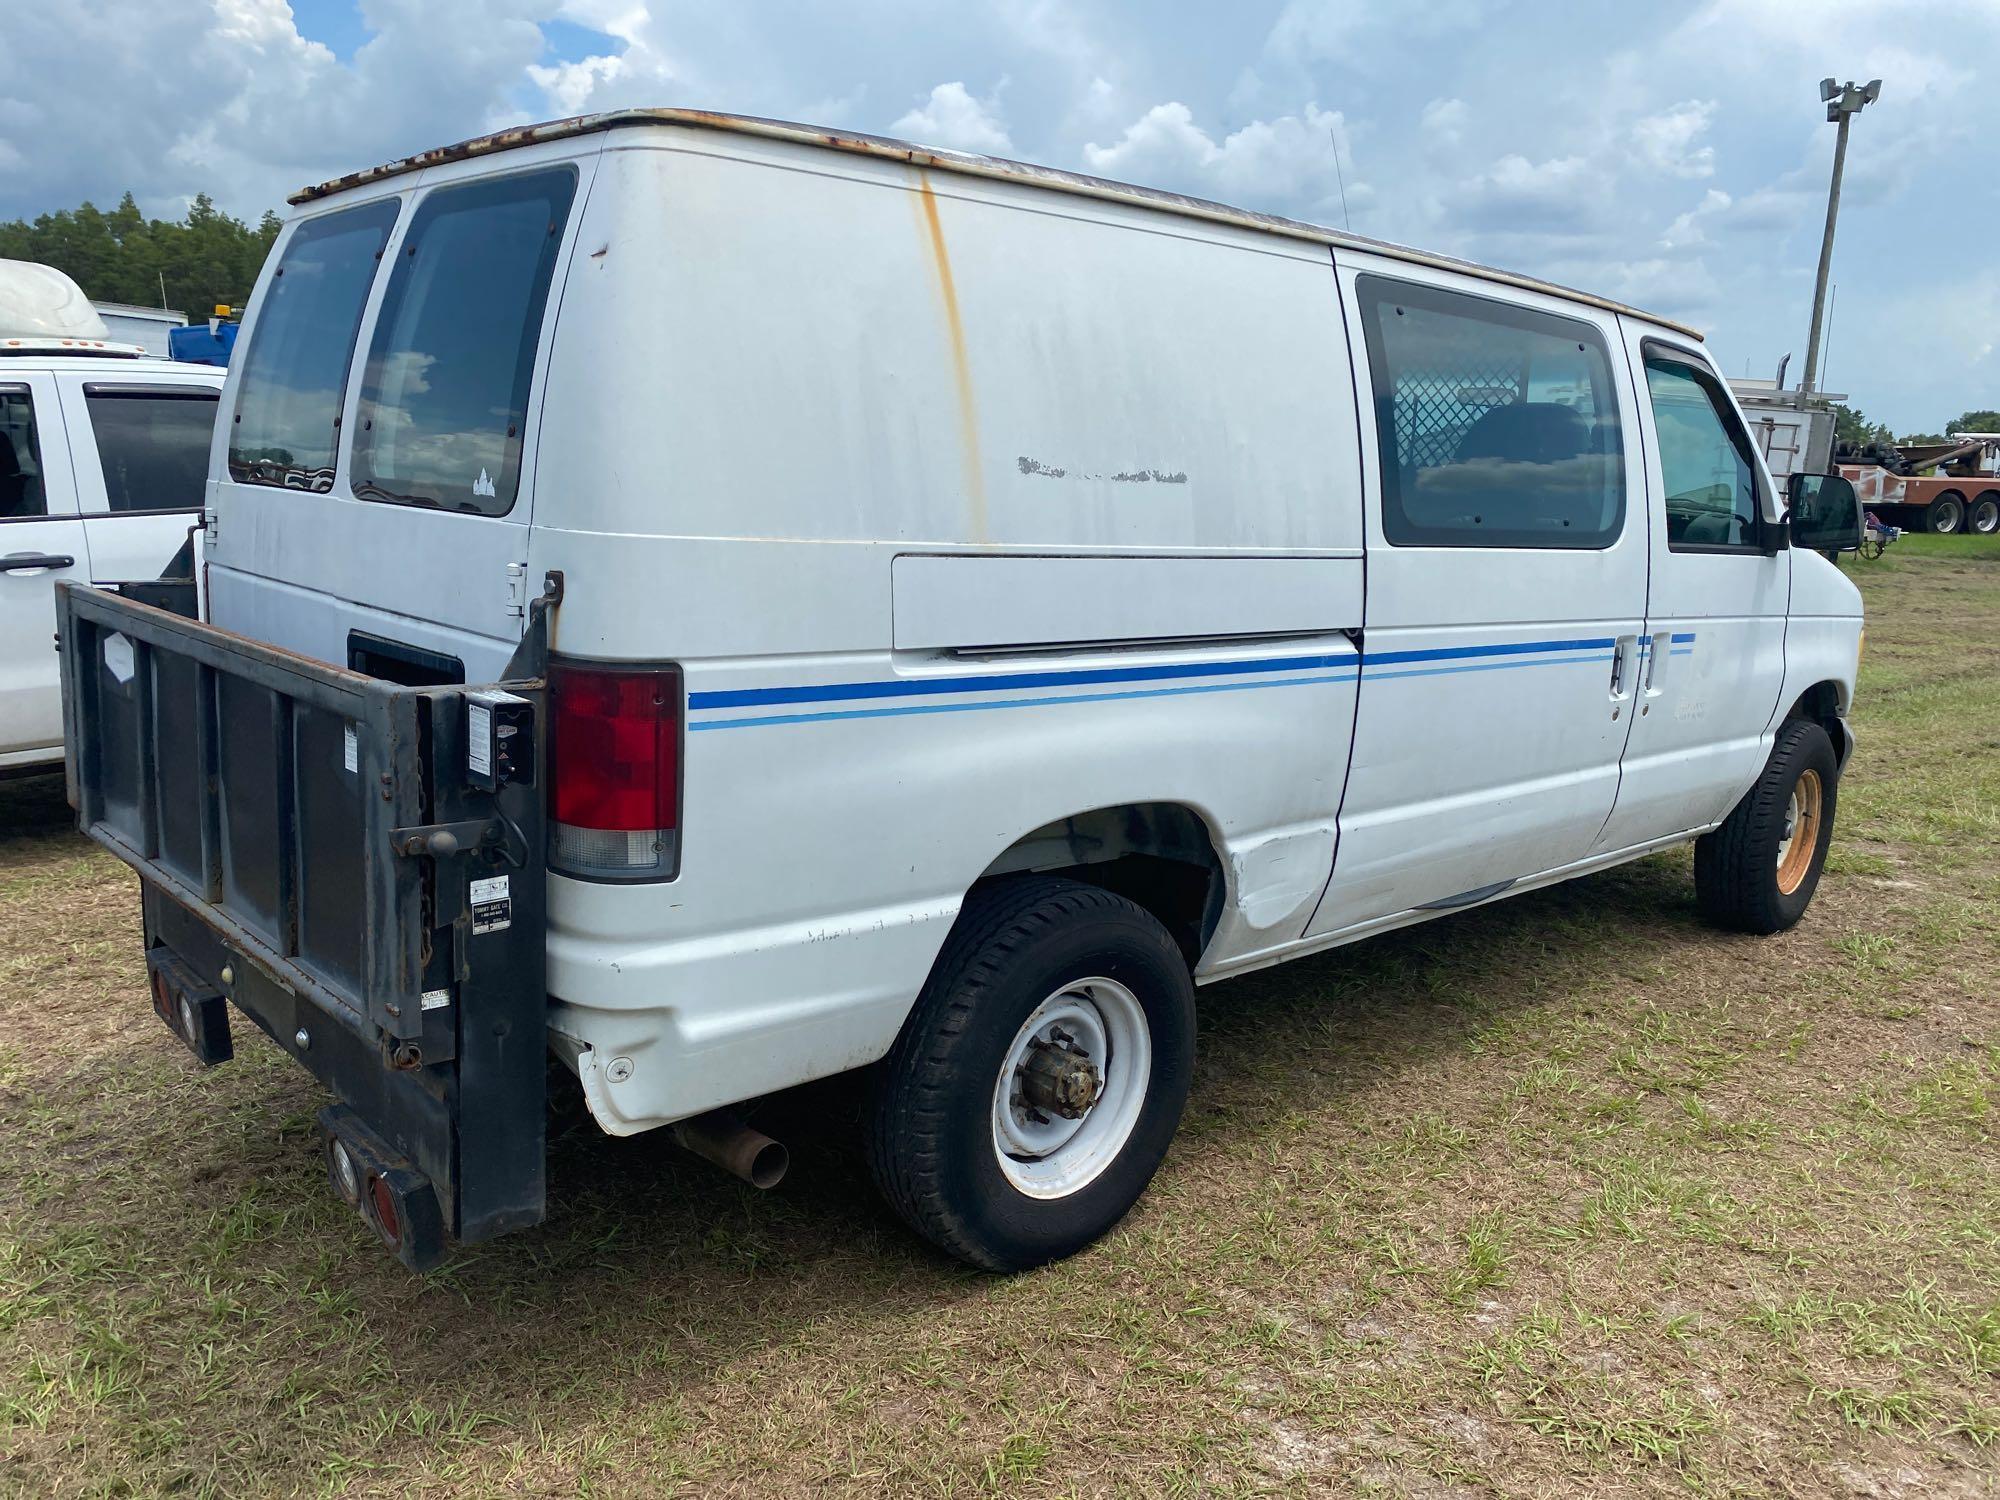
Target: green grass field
{"points": [[1568, 1195]]}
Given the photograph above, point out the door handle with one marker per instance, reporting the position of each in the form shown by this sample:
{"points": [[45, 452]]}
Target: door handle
{"points": [[1624, 664], [34, 562], [1657, 647]]}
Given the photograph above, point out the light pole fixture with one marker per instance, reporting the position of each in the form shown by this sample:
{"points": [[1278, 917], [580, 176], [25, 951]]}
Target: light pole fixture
{"points": [[1843, 102]]}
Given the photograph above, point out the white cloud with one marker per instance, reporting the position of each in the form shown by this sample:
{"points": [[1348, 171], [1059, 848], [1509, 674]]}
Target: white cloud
{"points": [[1286, 164], [1557, 195], [1667, 140], [952, 117], [1629, 151], [570, 85], [1309, 31], [1688, 231], [272, 111], [1443, 121]]}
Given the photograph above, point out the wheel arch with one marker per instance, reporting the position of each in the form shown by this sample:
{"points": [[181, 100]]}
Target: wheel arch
{"points": [[1825, 703], [1163, 856]]}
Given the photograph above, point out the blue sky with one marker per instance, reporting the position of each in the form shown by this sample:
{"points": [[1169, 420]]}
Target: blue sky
{"points": [[1674, 155]]}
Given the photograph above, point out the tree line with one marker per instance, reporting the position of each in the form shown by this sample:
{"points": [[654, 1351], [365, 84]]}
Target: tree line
{"points": [[1851, 426], [188, 264]]}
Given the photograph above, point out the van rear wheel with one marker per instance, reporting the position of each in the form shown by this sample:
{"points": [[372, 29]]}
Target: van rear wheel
{"points": [[1035, 1087], [1757, 872]]}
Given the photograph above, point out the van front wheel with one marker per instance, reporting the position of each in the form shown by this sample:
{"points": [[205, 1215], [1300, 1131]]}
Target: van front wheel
{"points": [[1034, 1088], [1757, 872]]}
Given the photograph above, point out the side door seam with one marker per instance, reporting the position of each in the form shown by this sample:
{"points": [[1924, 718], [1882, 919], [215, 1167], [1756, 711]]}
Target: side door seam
{"points": [[1355, 375], [1639, 399]]}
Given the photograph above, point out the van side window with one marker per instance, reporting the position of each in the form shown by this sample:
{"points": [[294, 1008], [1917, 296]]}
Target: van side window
{"points": [[444, 398], [1497, 424], [287, 420], [21, 491], [1710, 481], [153, 445]]}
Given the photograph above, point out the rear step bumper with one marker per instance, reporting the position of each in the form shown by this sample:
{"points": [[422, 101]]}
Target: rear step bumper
{"points": [[326, 854]]}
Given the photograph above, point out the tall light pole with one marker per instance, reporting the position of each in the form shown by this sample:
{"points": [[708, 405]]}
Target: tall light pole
{"points": [[1843, 102]]}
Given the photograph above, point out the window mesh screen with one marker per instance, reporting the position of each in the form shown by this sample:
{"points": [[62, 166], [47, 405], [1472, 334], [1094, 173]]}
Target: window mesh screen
{"points": [[1462, 377]]}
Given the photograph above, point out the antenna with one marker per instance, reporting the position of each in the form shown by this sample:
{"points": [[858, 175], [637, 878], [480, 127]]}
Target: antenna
{"points": [[1341, 178]]}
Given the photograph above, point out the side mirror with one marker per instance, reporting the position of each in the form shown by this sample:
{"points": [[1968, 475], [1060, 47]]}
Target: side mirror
{"points": [[1825, 513]]}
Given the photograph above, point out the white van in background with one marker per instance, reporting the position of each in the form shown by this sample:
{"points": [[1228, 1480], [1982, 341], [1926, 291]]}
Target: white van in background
{"points": [[103, 457], [946, 610]]}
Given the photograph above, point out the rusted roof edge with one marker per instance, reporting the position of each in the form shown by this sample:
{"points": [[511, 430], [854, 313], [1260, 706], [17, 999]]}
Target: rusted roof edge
{"points": [[970, 165]]}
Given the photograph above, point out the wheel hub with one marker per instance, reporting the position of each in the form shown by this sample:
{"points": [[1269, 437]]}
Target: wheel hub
{"points": [[1059, 1078], [1071, 1086]]}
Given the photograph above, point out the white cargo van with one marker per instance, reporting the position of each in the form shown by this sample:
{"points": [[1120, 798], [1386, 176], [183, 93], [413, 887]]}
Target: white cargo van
{"points": [[103, 457], [740, 603]]}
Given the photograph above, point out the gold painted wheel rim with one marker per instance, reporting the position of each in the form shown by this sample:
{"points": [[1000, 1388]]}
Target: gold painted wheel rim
{"points": [[1801, 836]]}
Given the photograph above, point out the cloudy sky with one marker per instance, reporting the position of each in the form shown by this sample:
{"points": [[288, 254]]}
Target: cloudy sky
{"points": [[1673, 154]]}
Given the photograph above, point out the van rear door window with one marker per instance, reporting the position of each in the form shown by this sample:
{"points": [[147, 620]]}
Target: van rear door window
{"points": [[152, 444], [294, 380], [1497, 424], [444, 398]]}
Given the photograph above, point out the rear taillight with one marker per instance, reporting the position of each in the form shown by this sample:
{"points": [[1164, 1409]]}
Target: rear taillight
{"points": [[615, 772]]}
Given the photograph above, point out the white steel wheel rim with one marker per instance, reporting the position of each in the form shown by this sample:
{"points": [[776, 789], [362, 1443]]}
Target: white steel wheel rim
{"points": [[1050, 1156], [1986, 517]]}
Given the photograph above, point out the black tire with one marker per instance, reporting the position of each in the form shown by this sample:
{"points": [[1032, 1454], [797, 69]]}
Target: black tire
{"points": [[931, 1141], [1737, 878], [1945, 514], [1983, 518]]}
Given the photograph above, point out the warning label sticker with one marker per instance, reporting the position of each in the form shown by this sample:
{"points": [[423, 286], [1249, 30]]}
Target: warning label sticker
{"points": [[492, 907]]}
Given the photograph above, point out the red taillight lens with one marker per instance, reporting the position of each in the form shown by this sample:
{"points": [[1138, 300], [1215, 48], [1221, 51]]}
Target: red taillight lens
{"points": [[387, 1220], [614, 772]]}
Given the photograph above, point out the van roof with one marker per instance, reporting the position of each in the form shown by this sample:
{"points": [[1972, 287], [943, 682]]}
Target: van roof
{"points": [[970, 165]]}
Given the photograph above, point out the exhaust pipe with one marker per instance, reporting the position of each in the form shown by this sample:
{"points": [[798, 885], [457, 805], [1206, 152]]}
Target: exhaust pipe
{"points": [[733, 1146]]}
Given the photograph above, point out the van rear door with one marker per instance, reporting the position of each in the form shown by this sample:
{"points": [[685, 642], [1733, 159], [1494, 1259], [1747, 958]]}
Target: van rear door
{"points": [[377, 474]]}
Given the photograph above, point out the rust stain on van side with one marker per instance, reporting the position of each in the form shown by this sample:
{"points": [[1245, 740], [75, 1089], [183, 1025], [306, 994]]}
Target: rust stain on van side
{"points": [[961, 369]]}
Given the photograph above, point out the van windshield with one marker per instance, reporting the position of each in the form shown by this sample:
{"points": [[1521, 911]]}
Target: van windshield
{"points": [[444, 397]]}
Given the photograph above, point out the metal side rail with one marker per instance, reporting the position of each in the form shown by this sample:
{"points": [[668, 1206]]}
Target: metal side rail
{"points": [[353, 864]]}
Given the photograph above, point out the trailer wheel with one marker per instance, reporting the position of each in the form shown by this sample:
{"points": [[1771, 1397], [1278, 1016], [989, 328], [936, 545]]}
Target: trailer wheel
{"points": [[1984, 517], [1945, 514], [1757, 872], [1034, 1088]]}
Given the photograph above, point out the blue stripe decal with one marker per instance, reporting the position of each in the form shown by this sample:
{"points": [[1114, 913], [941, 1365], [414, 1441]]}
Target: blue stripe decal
{"points": [[989, 703], [1523, 648], [1489, 666], [1679, 639], [1343, 667], [924, 687]]}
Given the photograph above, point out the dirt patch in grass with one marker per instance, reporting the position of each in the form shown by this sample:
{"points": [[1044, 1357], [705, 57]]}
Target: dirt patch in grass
{"points": [[1563, 1196]]}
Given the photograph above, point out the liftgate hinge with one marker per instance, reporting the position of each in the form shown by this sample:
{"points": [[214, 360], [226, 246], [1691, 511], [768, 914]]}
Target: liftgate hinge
{"points": [[517, 590]]}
